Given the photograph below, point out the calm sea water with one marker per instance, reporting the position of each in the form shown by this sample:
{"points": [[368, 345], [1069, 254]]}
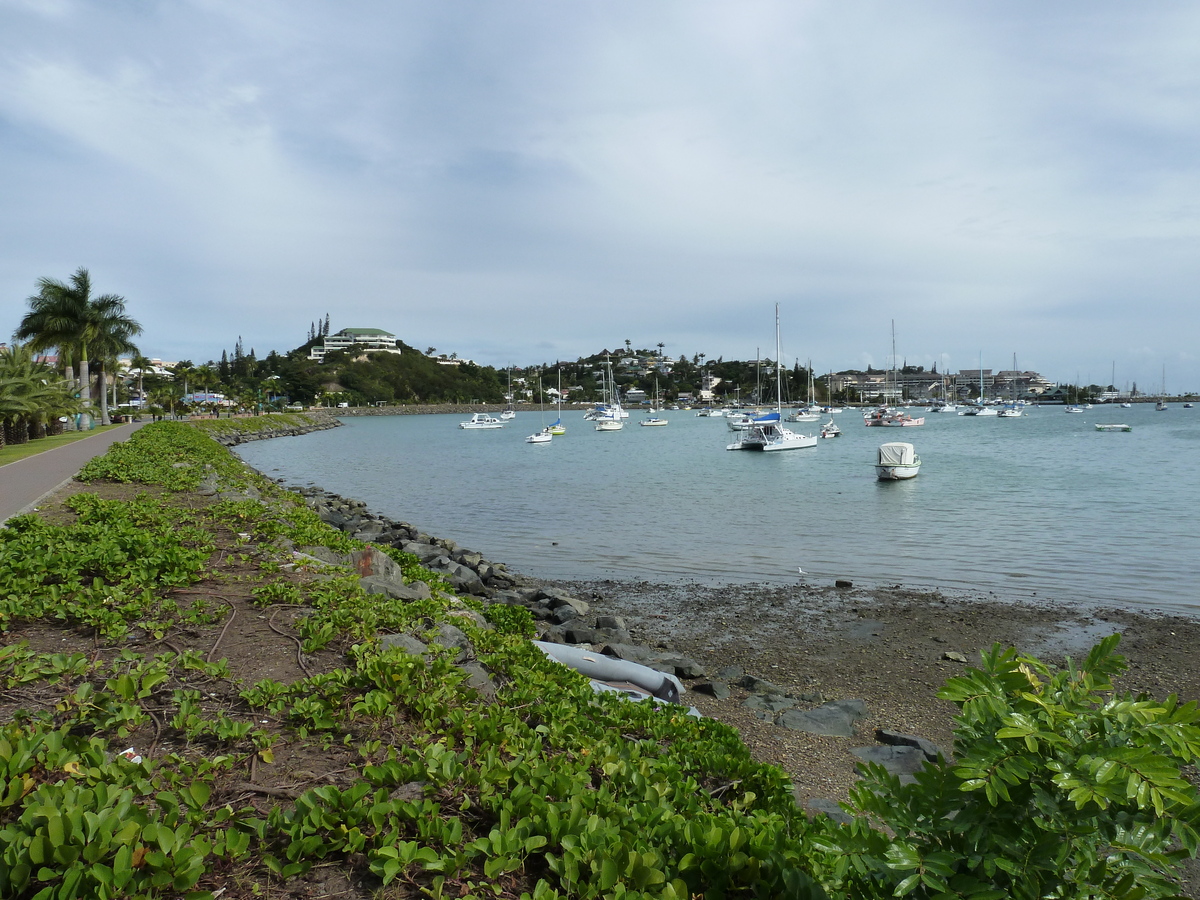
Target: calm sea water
{"points": [[1042, 506]]}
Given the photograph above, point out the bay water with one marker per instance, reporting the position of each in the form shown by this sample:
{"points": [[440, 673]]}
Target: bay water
{"points": [[1043, 507]]}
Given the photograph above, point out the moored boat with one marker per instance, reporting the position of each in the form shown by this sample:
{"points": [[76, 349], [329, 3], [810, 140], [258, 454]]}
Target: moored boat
{"points": [[897, 461], [481, 420], [1113, 427]]}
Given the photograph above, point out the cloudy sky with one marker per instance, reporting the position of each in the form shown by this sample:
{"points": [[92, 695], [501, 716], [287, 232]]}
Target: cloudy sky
{"points": [[529, 180]]}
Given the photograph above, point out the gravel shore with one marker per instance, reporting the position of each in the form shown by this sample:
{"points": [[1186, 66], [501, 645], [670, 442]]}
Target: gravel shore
{"points": [[886, 646]]}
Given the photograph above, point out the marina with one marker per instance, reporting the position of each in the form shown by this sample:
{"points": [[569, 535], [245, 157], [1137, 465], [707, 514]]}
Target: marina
{"points": [[1042, 507]]}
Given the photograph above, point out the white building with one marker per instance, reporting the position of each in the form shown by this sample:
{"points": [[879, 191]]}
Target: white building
{"points": [[361, 340]]}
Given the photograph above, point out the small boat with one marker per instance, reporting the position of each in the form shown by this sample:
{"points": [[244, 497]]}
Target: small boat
{"points": [[1074, 409], [653, 420], [557, 426], [982, 411], [1113, 427], [897, 461], [481, 420], [1010, 412], [830, 429], [545, 435], [1128, 405], [1187, 406], [509, 411], [804, 415]]}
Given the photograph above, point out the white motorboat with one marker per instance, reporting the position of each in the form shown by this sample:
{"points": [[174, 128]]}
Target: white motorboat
{"points": [[481, 420], [984, 411], [1113, 427], [1073, 409], [897, 461], [767, 433], [652, 420], [804, 415], [1010, 412], [540, 437]]}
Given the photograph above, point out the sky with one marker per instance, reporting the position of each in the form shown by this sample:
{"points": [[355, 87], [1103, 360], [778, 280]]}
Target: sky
{"points": [[530, 180]]}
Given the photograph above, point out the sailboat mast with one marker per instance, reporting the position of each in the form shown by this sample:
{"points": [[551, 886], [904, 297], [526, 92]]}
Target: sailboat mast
{"points": [[778, 363]]}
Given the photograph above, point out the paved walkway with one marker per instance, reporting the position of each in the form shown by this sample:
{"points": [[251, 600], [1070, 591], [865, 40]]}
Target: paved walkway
{"points": [[25, 482]]}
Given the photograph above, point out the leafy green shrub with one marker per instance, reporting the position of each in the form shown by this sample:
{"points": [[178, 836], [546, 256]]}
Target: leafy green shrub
{"points": [[1060, 788]]}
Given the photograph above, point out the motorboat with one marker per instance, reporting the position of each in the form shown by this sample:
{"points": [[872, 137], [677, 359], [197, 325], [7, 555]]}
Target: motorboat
{"points": [[1113, 427], [1074, 409], [886, 417], [481, 420], [540, 437], [804, 415], [1010, 412], [652, 420], [897, 461], [902, 420]]}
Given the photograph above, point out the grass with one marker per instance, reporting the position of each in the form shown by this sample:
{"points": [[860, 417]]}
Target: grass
{"points": [[10, 454]]}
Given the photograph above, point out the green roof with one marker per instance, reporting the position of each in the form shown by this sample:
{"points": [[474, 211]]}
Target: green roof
{"points": [[366, 331]]}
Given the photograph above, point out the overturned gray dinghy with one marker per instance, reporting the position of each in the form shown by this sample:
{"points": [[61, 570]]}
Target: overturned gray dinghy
{"points": [[610, 674]]}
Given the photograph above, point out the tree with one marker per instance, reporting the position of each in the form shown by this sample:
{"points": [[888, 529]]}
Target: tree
{"points": [[66, 316], [140, 364], [32, 395]]}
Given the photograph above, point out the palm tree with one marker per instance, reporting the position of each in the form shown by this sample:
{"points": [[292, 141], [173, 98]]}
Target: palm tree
{"points": [[206, 375], [66, 316], [140, 364], [32, 395]]}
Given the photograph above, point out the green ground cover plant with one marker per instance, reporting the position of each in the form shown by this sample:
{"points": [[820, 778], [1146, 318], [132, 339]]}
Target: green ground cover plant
{"points": [[132, 624]]}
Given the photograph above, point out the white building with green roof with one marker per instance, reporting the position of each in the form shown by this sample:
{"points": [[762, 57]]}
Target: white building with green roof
{"points": [[360, 340]]}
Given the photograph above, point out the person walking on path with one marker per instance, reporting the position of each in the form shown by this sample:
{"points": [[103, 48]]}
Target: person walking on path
{"points": [[27, 481]]}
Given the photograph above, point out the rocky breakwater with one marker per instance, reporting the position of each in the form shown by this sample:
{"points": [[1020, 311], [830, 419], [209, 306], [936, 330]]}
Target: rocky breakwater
{"points": [[564, 618], [231, 432]]}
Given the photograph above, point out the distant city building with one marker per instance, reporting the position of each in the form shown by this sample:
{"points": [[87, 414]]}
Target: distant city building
{"points": [[362, 340]]}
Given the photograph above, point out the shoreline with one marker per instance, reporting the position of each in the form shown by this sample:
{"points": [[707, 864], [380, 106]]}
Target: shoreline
{"points": [[885, 645], [891, 647]]}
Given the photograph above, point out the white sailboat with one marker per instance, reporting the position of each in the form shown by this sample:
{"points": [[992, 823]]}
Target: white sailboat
{"points": [[982, 409], [1161, 405], [654, 419], [767, 433], [609, 416], [509, 411], [557, 426], [544, 436], [1012, 410]]}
